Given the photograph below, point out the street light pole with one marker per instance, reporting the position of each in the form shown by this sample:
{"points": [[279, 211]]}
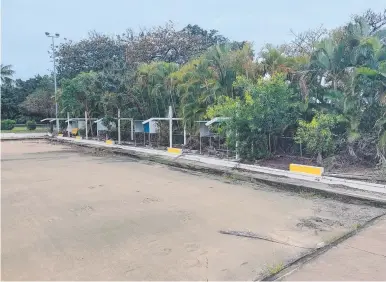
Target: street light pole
{"points": [[54, 59]]}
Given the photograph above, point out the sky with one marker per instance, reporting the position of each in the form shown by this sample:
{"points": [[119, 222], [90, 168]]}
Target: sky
{"points": [[24, 22]]}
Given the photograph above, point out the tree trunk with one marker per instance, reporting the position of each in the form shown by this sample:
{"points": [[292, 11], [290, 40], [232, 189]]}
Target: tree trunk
{"points": [[319, 159], [269, 143], [381, 157], [91, 131], [351, 151]]}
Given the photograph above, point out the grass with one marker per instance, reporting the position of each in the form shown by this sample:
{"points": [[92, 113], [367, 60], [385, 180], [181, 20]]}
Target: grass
{"points": [[275, 268], [24, 129], [308, 195], [356, 226]]}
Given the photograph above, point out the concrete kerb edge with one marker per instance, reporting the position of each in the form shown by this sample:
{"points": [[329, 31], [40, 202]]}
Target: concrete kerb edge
{"points": [[291, 266], [25, 138], [236, 173]]}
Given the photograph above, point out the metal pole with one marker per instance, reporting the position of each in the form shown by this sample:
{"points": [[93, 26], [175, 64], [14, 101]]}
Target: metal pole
{"points": [[56, 98], [85, 117], [132, 130], [200, 143], [237, 145], [170, 127], [237, 134], [119, 126], [68, 124], [184, 134]]}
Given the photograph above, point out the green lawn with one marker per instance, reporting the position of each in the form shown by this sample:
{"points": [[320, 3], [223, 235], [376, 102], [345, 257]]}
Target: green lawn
{"points": [[23, 129]]}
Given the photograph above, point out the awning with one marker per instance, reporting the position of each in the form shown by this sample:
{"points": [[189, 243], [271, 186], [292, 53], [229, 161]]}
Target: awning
{"points": [[217, 120]]}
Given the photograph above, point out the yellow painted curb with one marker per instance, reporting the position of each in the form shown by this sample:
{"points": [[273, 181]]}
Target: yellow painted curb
{"points": [[109, 142], [78, 137], [60, 135], [315, 170], [175, 151]]}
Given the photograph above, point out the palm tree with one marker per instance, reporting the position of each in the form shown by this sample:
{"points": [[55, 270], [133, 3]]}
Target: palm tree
{"points": [[350, 65], [329, 60], [272, 60], [197, 87], [370, 56], [219, 60], [6, 73]]}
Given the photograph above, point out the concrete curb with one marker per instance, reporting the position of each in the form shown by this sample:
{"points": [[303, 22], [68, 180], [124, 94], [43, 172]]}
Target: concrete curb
{"points": [[280, 182], [24, 136], [332, 181]]}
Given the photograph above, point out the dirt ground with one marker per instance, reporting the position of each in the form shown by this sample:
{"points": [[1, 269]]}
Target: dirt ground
{"points": [[71, 215]]}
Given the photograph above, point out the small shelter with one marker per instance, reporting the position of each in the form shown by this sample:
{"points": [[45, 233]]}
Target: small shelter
{"points": [[150, 125], [205, 129], [79, 123], [138, 126], [74, 124], [102, 127], [52, 121], [217, 120]]}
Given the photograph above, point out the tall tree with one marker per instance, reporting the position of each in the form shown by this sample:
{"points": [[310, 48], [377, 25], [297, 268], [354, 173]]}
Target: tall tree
{"points": [[6, 73], [165, 43], [81, 94], [90, 54], [13, 94], [375, 20], [40, 103]]}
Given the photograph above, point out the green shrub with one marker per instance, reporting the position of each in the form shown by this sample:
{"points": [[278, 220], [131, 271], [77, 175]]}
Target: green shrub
{"points": [[7, 124], [112, 134], [31, 125], [317, 134], [82, 132]]}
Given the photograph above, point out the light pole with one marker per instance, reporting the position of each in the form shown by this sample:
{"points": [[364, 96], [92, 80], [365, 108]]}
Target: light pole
{"points": [[56, 35]]}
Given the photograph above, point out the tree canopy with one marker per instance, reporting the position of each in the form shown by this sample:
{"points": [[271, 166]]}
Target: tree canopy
{"points": [[325, 89]]}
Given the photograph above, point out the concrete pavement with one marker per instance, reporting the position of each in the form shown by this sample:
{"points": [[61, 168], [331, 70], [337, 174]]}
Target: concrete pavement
{"points": [[361, 257]]}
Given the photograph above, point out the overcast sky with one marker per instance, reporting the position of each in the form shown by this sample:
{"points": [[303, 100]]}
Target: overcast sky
{"points": [[23, 22]]}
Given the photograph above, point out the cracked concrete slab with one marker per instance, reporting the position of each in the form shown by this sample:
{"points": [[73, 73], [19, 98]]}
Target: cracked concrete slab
{"points": [[361, 257]]}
